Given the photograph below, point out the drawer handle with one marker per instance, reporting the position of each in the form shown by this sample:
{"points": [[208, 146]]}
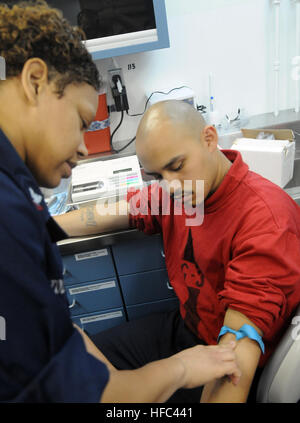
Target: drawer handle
{"points": [[66, 272], [162, 252], [169, 286], [73, 303]]}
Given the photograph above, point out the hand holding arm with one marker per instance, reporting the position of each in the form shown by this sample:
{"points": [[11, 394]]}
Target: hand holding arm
{"points": [[248, 354], [158, 380]]}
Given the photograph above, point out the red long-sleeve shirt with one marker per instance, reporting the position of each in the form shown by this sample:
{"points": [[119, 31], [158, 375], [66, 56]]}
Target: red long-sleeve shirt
{"points": [[244, 256]]}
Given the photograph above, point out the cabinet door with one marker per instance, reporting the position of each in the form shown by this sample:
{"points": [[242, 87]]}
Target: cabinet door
{"points": [[148, 286], [93, 323], [88, 266], [140, 310], [93, 296], [139, 255]]}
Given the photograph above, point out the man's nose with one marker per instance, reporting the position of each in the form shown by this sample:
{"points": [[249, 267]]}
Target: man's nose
{"points": [[174, 184]]}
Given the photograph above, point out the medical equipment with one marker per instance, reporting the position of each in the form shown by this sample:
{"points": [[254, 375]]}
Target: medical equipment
{"points": [[105, 178]]}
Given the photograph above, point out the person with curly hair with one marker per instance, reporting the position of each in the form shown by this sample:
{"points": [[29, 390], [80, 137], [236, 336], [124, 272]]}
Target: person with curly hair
{"points": [[48, 99]]}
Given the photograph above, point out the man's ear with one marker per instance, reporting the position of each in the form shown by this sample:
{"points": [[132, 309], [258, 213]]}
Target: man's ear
{"points": [[34, 78], [210, 137]]}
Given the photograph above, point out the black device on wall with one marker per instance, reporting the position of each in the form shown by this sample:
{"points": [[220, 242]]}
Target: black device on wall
{"points": [[119, 94]]}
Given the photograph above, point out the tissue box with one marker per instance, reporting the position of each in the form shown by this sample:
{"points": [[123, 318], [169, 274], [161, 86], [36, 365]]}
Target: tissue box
{"points": [[273, 159]]}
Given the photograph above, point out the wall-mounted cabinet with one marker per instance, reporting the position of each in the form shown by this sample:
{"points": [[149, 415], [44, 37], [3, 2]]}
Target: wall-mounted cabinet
{"points": [[118, 27]]}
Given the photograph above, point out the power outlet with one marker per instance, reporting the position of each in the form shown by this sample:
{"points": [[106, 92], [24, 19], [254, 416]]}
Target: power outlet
{"points": [[118, 89]]}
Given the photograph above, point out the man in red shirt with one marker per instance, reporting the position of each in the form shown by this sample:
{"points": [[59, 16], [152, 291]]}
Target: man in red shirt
{"points": [[48, 98], [239, 265]]}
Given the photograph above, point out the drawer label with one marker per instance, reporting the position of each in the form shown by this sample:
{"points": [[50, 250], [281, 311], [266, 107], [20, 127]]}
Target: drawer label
{"points": [[105, 316], [91, 254], [94, 287]]}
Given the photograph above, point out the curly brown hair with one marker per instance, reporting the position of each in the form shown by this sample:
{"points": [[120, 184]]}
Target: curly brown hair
{"points": [[33, 29]]}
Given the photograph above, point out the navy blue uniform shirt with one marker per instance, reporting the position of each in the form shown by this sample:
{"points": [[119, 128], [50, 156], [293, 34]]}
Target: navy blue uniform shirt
{"points": [[42, 356]]}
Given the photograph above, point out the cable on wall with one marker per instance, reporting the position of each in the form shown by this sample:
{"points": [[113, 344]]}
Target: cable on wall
{"points": [[137, 114]]}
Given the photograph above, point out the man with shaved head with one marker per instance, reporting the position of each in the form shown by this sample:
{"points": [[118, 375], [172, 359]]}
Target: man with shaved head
{"points": [[47, 101], [174, 130], [236, 272]]}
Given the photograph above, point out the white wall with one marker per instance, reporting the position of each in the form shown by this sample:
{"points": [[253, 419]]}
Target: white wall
{"points": [[233, 39]]}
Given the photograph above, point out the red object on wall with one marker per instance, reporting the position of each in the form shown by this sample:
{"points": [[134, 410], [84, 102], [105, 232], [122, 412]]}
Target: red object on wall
{"points": [[97, 138]]}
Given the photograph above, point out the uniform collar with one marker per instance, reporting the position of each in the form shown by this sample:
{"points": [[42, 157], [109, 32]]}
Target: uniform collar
{"points": [[12, 164], [10, 161], [231, 181]]}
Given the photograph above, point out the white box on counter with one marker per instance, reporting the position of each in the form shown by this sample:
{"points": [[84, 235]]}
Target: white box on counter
{"points": [[105, 178], [273, 159]]}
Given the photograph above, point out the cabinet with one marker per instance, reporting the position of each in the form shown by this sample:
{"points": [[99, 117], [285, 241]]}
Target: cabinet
{"points": [[108, 286], [143, 276], [93, 290], [131, 26], [88, 266]]}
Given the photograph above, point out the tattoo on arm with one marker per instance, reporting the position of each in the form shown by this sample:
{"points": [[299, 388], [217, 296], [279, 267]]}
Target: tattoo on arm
{"points": [[88, 216]]}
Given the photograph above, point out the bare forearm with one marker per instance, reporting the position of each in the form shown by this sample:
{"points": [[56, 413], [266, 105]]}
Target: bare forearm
{"points": [[158, 380], [92, 349], [155, 382], [248, 355], [94, 219], [224, 391]]}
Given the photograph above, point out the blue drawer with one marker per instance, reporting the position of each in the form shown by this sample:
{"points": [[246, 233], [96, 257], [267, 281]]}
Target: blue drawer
{"points": [[139, 255], [140, 310], [93, 296], [93, 323], [146, 286], [88, 266]]}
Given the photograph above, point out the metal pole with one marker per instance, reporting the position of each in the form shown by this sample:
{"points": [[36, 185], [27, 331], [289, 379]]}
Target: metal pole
{"points": [[276, 4]]}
